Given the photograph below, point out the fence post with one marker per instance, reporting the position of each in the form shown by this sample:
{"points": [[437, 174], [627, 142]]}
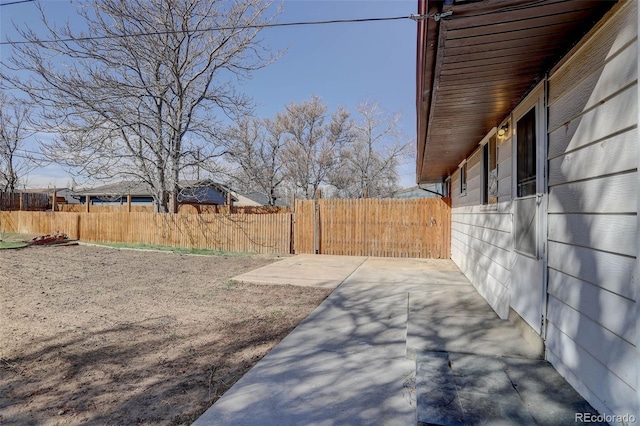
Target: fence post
{"points": [[54, 201], [21, 202], [87, 201], [292, 247], [316, 222], [229, 202], [129, 203]]}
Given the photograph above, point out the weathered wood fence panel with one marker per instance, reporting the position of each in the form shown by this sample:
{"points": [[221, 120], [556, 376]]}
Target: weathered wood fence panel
{"points": [[375, 227], [258, 233], [23, 201], [303, 226], [41, 223]]}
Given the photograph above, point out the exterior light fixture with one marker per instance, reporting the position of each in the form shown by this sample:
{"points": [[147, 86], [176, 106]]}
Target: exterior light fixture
{"points": [[503, 129]]}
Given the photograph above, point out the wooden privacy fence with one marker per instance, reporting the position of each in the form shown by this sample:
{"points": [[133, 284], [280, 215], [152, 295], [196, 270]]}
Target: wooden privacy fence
{"points": [[374, 227], [23, 201], [361, 227], [259, 233]]}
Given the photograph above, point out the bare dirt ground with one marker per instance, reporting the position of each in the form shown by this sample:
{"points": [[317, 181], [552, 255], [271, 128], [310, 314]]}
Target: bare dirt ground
{"points": [[92, 335]]}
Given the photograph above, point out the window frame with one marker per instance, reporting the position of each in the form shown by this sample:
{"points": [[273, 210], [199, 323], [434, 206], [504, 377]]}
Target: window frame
{"points": [[489, 146], [534, 100], [462, 168], [526, 154]]}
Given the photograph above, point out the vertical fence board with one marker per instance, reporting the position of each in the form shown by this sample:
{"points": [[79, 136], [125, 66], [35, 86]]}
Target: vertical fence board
{"points": [[303, 226]]}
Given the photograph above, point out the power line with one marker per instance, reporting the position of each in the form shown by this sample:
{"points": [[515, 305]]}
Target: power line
{"points": [[153, 33], [16, 2]]}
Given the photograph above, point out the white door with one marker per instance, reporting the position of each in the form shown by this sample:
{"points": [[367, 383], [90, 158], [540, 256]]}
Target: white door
{"points": [[528, 273]]}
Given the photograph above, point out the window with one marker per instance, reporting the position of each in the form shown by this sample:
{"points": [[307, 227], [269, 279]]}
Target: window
{"points": [[526, 154], [489, 172], [463, 178]]}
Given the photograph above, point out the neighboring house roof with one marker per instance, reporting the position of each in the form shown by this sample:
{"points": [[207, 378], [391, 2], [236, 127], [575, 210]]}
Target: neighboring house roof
{"points": [[123, 188], [191, 192], [417, 192], [49, 191], [61, 193], [244, 201], [475, 65], [263, 200]]}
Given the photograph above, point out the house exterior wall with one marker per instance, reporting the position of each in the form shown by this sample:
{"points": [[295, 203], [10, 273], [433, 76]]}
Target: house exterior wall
{"points": [[592, 214], [591, 330], [202, 195], [481, 235], [481, 244]]}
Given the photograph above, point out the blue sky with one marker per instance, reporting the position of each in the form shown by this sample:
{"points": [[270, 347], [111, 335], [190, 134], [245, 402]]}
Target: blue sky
{"points": [[342, 63]]}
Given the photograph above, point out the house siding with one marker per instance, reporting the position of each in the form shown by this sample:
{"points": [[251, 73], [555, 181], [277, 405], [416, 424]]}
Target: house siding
{"points": [[481, 234], [481, 247], [592, 214], [471, 196]]}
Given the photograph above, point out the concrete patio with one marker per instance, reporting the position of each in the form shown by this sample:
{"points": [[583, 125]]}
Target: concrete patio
{"points": [[398, 342]]}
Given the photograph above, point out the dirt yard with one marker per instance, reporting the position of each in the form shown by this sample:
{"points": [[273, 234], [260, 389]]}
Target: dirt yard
{"points": [[93, 335]]}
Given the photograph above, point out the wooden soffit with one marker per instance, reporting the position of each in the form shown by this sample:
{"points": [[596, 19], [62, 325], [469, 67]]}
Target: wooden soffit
{"points": [[475, 65]]}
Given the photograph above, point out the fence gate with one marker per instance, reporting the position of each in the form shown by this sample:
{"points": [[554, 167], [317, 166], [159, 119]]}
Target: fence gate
{"points": [[374, 227]]}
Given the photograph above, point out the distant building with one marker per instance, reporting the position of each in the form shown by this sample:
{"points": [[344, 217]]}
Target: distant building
{"points": [[263, 200], [63, 195], [203, 192]]}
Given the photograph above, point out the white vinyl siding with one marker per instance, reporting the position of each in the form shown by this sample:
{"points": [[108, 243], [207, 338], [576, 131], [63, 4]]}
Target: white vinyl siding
{"points": [[481, 235], [481, 247], [471, 196], [592, 221]]}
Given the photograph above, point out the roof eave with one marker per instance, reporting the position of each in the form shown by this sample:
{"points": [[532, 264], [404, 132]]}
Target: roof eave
{"points": [[428, 30], [475, 66]]}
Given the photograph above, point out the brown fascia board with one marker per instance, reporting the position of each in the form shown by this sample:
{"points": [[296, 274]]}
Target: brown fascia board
{"points": [[427, 48]]}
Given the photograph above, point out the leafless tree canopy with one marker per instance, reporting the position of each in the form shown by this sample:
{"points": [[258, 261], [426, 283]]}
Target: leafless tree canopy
{"points": [[15, 162], [256, 148], [136, 93], [369, 163], [303, 148], [313, 143]]}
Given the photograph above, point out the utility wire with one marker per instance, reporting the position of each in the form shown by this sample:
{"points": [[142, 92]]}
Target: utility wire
{"points": [[153, 33], [16, 2]]}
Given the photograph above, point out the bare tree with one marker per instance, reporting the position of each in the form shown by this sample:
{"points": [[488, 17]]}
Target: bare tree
{"points": [[15, 162], [368, 164], [313, 142], [303, 149], [137, 92], [256, 146]]}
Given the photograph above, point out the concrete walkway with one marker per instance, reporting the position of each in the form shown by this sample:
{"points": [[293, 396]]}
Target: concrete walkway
{"points": [[398, 342]]}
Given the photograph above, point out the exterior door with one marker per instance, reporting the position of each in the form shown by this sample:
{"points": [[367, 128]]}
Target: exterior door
{"points": [[528, 284]]}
